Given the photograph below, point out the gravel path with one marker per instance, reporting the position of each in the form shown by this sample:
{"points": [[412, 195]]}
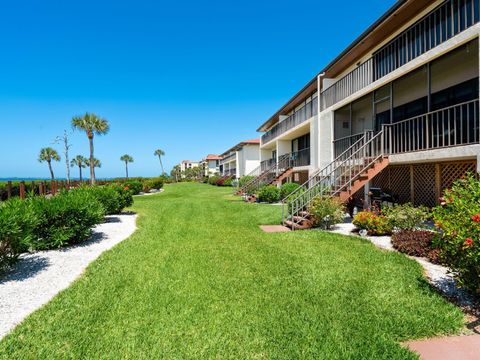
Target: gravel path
{"points": [[38, 277], [439, 276]]}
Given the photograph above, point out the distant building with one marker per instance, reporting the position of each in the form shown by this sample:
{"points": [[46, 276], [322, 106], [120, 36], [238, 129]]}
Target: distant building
{"points": [[211, 164], [241, 159], [188, 164]]}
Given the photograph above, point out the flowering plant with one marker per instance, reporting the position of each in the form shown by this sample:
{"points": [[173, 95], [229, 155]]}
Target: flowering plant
{"points": [[372, 221], [458, 219]]}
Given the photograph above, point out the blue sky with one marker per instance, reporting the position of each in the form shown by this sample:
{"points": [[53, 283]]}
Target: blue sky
{"points": [[190, 77]]}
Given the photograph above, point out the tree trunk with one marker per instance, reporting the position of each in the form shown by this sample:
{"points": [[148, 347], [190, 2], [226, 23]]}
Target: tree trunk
{"points": [[126, 170], [161, 165], [92, 164], [80, 171], [51, 170]]}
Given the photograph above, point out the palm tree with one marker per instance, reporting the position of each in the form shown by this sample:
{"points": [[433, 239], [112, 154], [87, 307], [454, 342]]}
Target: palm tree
{"points": [[81, 162], [160, 153], [48, 154], [127, 159], [96, 163], [91, 124]]}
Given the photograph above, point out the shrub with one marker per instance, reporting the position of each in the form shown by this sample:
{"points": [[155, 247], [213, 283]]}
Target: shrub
{"points": [[459, 221], [228, 182], [375, 224], [416, 243], [269, 194], [17, 223], [326, 211], [220, 182], [406, 216], [154, 183], [134, 186], [287, 189], [244, 180], [212, 180], [65, 219]]}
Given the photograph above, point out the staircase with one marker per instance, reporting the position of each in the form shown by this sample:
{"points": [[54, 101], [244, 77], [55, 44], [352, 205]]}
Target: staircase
{"points": [[275, 174], [342, 178]]}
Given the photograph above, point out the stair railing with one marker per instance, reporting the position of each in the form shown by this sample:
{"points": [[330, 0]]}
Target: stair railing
{"points": [[269, 175], [337, 176]]}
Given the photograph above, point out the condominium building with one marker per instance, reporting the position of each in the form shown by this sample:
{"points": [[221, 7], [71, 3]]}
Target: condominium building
{"points": [[211, 164], [188, 164], [241, 159], [398, 109]]}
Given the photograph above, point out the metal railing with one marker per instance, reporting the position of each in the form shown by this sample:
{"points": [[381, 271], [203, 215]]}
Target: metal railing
{"points": [[441, 24], [267, 164], [452, 126], [337, 176], [303, 114], [342, 144], [268, 176], [300, 158]]}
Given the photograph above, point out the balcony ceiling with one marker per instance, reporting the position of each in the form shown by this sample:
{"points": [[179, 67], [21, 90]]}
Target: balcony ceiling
{"points": [[399, 14]]}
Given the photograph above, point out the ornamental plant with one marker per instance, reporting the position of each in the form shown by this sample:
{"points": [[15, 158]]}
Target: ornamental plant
{"points": [[458, 219], [373, 222], [406, 216], [326, 211]]}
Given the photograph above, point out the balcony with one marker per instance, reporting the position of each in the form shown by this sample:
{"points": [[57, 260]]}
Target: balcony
{"points": [[294, 159], [297, 118], [229, 158], [440, 25]]}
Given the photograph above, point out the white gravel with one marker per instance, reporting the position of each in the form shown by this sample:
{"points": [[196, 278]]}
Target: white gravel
{"points": [[38, 277], [438, 276]]}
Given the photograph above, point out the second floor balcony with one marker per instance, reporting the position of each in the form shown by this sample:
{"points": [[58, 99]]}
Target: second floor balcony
{"points": [[228, 158], [441, 24], [303, 114]]}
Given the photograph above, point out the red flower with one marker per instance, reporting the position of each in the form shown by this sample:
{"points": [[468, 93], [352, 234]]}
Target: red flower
{"points": [[476, 218], [125, 188], [468, 242]]}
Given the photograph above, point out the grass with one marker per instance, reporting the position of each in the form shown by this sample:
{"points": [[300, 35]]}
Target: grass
{"points": [[200, 280]]}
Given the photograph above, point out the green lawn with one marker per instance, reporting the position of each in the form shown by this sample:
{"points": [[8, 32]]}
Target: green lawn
{"points": [[200, 280]]}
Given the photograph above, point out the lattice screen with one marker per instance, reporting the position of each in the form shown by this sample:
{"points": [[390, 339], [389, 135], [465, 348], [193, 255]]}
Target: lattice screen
{"points": [[453, 171], [424, 185]]}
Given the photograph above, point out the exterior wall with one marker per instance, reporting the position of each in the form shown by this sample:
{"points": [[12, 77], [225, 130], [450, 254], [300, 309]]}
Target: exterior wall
{"points": [[251, 159]]}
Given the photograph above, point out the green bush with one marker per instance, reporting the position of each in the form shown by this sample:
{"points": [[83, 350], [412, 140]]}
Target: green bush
{"points": [[65, 219], [244, 180], [134, 186], [326, 211], [269, 194], [17, 223], [458, 218], [375, 224], [153, 183], [212, 180], [228, 182], [287, 189], [406, 216]]}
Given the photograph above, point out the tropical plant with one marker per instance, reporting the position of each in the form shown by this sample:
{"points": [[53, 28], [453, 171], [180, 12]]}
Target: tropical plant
{"points": [[92, 125], [160, 153], [48, 155], [458, 219], [176, 173], [244, 180], [326, 211], [96, 163], [154, 183], [80, 162], [135, 187], [126, 159]]}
